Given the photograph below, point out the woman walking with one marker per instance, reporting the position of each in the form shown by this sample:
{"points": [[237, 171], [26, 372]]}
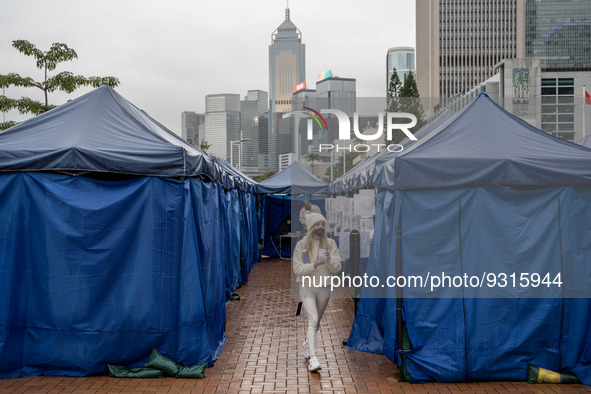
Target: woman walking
{"points": [[315, 258]]}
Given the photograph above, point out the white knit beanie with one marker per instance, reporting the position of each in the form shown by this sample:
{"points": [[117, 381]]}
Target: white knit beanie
{"points": [[313, 218]]}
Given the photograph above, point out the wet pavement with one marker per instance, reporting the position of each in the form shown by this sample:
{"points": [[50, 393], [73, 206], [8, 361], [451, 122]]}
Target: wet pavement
{"points": [[264, 355]]}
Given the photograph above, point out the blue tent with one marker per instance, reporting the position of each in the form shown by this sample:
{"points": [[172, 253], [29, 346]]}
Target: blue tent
{"points": [[106, 134], [364, 173], [113, 241], [501, 149], [485, 192], [295, 179], [234, 178]]}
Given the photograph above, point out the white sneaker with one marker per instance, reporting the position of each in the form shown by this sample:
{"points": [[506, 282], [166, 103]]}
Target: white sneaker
{"points": [[306, 350], [314, 365]]}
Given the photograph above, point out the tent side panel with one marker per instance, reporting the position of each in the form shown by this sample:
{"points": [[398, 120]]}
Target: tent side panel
{"points": [[575, 343], [495, 334], [374, 328], [96, 272], [506, 231], [206, 200]]}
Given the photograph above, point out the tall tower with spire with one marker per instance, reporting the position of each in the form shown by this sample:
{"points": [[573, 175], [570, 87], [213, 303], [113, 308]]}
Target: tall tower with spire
{"points": [[287, 67]]}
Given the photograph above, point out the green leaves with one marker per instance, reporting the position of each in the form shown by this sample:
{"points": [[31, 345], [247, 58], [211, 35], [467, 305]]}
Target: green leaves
{"points": [[23, 105], [65, 81], [56, 54], [16, 80], [204, 146], [404, 97], [26, 105], [412, 102], [28, 49], [48, 61], [312, 157], [7, 124], [68, 82], [394, 88], [100, 81], [6, 104]]}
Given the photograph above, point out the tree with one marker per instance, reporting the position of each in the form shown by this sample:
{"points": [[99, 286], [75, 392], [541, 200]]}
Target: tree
{"points": [[393, 95], [412, 101], [404, 97], [393, 104], [204, 145], [47, 61], [337, 168], [313, 157]]}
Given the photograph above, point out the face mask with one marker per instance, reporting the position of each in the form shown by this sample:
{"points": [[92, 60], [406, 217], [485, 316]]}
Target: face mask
{"points": [[319, 231]]}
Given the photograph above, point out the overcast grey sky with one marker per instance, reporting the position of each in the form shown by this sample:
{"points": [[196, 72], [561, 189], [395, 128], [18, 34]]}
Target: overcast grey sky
{"points": [[169, 54]]}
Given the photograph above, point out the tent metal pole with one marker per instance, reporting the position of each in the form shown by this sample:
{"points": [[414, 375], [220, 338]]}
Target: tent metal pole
{"points": [[399, 289], [584, 108]]}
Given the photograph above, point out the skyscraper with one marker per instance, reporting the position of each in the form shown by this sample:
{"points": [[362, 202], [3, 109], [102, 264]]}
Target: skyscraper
{"points": [[559, 34], [460, 41], [254, 126], [287, 67], [222, 123], [337, 93], [541, 51], [403, 60], [190, 124], [332, 92]]}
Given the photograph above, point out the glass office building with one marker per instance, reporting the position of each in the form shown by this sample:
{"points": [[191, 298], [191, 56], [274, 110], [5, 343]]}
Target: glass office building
{"points": [[253, 114], [337, 93], [191, 123], [403, 60], [222, 123], [459, 42], [559, 34]]}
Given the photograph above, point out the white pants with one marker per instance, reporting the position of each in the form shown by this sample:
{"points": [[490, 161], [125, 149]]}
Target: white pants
{"points": [[314, 301]]}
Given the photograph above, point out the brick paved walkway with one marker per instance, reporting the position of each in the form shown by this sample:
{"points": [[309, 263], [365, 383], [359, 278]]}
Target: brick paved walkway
{"points": [[263, 354]]}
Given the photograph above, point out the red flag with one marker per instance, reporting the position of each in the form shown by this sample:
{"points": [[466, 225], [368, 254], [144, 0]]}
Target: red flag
{"points": [[587, 97]]}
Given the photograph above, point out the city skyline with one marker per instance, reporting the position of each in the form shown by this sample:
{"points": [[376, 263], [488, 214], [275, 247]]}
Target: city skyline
{"points": [[169, 59]]}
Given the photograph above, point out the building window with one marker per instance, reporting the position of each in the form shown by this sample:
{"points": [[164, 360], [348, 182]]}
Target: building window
{"points": [[558, 107]]}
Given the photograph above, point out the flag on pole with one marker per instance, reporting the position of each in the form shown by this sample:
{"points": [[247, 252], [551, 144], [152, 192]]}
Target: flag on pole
{"points": [[587, 101]]}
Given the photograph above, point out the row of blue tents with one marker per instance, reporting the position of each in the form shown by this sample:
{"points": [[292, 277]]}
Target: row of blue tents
{"points": [[119, 237], [480, 191]]}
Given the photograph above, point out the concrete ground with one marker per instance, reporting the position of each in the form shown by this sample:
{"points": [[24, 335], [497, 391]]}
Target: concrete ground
{"points": [[264, 355]]}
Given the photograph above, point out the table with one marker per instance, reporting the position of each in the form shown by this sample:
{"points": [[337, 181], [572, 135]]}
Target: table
{"points": [[292, 237]]}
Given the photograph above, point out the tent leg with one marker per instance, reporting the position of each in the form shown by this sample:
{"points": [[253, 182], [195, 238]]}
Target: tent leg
{"points": [[399, 292]]}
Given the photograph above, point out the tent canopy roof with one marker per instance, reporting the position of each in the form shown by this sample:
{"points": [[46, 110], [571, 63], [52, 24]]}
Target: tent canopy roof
{"points": [[585, 141], [365, 173], [232, 176], [485, 145], [102, 132], [293, 180]]}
